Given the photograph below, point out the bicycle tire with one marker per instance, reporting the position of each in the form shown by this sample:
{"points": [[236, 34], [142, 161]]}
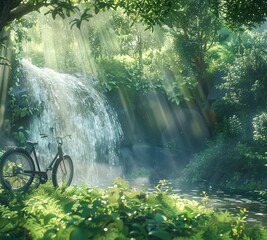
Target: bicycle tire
{"points": [[62, 172], [13, 163]]}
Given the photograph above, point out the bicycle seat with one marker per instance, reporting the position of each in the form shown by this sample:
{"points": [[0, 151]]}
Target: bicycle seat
{"points": [[32, 143]]}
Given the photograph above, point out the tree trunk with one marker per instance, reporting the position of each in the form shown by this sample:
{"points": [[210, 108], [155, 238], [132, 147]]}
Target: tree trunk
{"points": [[4, 74]]}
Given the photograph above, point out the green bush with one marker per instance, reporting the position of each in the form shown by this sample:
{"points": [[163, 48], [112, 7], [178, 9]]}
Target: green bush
{"points": [[118, 212], [21, 105], [227, 163], [235, 157], [260, 127], [245, 82]]}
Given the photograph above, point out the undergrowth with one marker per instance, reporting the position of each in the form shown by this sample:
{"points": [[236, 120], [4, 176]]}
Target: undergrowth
{"points": [[118, 212]]}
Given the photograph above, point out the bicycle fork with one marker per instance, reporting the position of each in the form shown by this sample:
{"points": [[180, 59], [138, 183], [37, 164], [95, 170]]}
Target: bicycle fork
{"points": [[62, 163]]}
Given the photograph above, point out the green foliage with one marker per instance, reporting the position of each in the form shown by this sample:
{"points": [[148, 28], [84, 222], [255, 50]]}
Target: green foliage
{"points": [[20, 134], [235, 157], [241, 14], [233, 127], [150, 13], [260, 127], [117, 74], [118, 212], [127, 76], [224, 109], [21, 108], [227, 163], [194, 28], [245, 84], [147, 12], [223, 51], [18, 113], [164, 186], [132, 58]]}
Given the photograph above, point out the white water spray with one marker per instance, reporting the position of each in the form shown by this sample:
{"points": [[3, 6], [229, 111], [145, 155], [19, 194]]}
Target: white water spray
{"points": [[72, 105]]}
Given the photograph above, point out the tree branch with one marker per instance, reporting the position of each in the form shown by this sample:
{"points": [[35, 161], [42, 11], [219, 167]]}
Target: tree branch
{"points": [[14, 9], [20, 11]]}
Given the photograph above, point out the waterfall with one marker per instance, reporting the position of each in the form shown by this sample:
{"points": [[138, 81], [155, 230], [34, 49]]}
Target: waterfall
{"points": [[69, 104]]}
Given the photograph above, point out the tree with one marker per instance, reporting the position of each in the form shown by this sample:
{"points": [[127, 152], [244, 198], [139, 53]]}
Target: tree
{"points": [[245, 81], [240, 13], [194, 28], [146, 11], [235, 12], [14, 9], [244, 88]]}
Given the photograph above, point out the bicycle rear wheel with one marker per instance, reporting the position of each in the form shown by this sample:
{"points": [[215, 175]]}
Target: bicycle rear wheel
{"points": [[62, 173], [12, 166]]}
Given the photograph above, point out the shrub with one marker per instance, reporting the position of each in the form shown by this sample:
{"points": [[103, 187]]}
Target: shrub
{"points": [[118, 212], [260, 127], [227, 163]]}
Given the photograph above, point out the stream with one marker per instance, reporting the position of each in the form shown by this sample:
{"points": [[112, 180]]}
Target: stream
{"points": [[256, 208]]}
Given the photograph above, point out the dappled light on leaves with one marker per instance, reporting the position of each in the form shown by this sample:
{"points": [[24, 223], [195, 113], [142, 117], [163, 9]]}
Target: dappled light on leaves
{"points": [[118, 211]]}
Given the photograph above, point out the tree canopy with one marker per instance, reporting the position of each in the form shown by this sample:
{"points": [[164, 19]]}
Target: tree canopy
{"points": [[148, 12], [236, 13], [239, 13]]}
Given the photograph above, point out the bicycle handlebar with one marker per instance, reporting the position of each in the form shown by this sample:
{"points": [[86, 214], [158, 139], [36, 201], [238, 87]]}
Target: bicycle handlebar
{"points": [[57, 138]]}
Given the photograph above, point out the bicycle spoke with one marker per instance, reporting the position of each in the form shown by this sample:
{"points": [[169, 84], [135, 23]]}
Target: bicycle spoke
{"points": [[12, 183], [14, 163], [63, 172], [18, 180], [62, 165]]}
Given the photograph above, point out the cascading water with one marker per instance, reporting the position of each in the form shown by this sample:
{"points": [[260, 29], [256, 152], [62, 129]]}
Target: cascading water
{"points": [[71, 105]]}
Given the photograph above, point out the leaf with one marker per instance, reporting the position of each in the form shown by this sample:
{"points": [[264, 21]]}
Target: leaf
{"points": [[48, 217], [161, 234], [78, 24], [86, 212], [96, 10], [3, 223], [97, 203], [80, 234], [54, 15], [159, 218], [76, 234]]}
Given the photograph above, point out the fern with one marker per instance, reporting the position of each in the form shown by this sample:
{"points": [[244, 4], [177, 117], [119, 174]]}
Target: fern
{"points": [[118, 212]]}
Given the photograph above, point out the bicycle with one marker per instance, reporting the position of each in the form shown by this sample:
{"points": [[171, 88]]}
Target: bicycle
{"points": [[17, 168]]}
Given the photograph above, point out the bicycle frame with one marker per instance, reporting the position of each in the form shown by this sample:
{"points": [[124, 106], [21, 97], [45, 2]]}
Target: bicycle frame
{"points": [[43, 174]]}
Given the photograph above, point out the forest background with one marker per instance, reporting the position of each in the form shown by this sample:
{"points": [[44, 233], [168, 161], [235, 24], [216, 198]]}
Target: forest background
{"points": [[204, 55], [209, 56]]}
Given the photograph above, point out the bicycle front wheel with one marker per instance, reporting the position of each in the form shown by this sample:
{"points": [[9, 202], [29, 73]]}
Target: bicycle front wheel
{"points": [[13, 165], [62, 173]]}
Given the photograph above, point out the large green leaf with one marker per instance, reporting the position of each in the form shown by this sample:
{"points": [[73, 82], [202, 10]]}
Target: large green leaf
{"points": [[159, 218], [161, 234]]}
